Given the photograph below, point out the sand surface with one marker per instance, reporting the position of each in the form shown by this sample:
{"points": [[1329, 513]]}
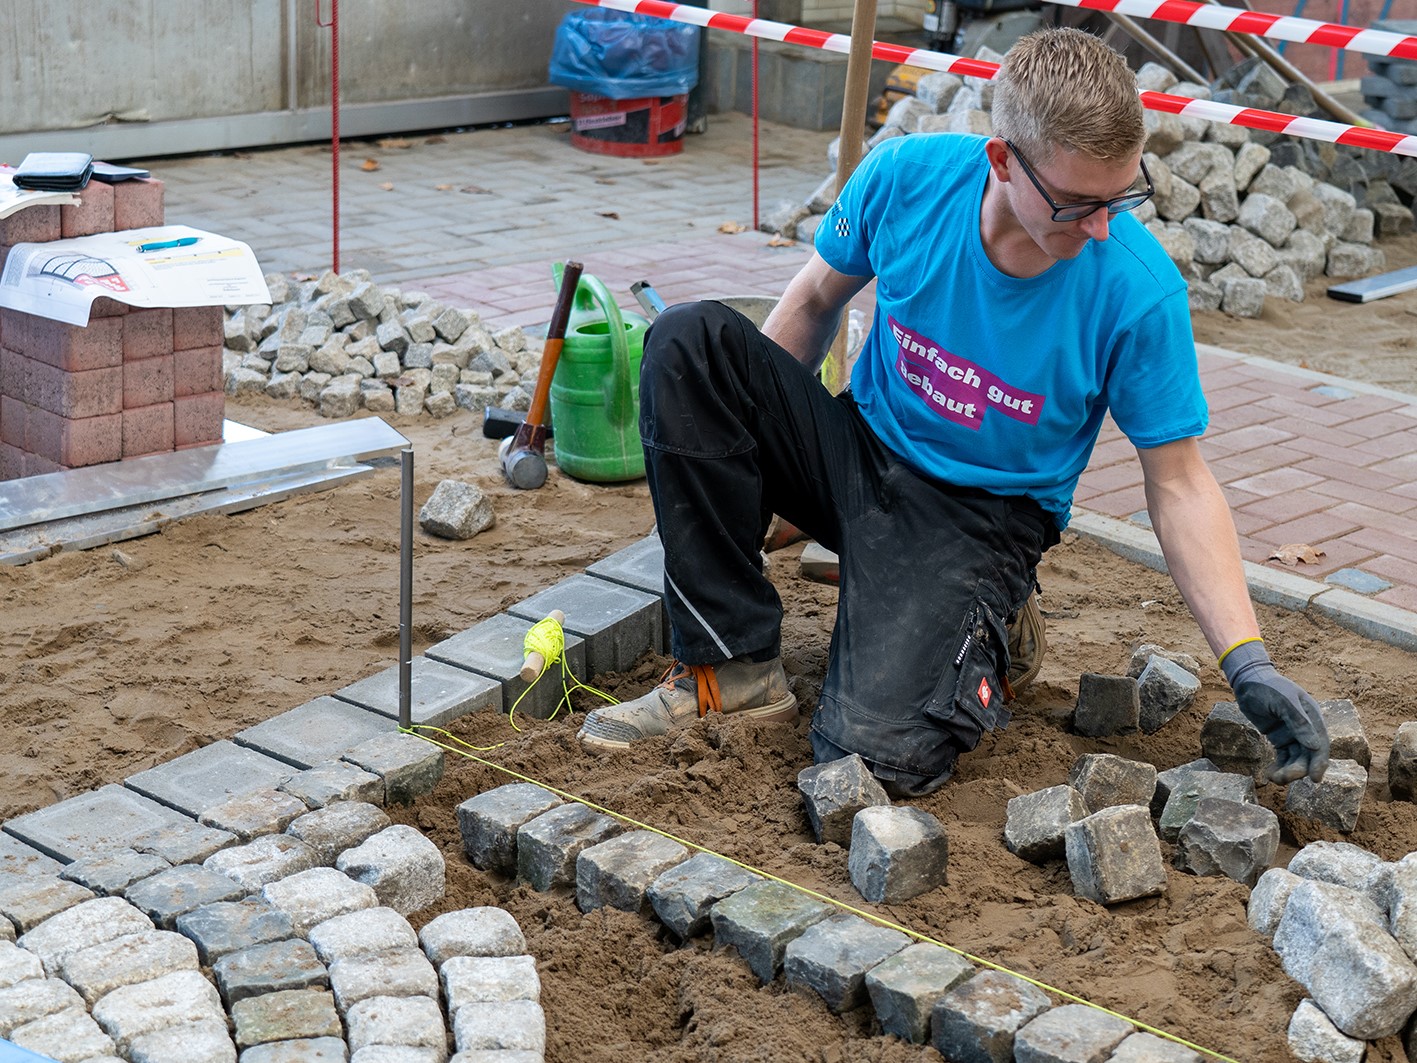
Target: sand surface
{"points": [[119, 658]]}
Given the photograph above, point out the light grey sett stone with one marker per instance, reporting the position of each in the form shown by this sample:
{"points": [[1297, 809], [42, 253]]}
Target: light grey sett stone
{"points": [[1313, 1038], [285, 1015], [548, 845], [456, 510], [1232, 743], [904, 988], [488, 979], [617, 623], [81, 926], [266, 859], [1148, 1048], [370, 930], [833, 956], [1400, 902], [1341, 863], [977, 1021], [17, 965], [496, 1055], [205, 1041], [1402, 763], [95, 822], [321, 730], [334, 782], [1244, 297], [1114, 855], [1346, 737], [29, 900], [1228, 838], [618, 873], [230, 926], [761, 920], [413, 1021], [1336, 801], [183, 843], [404, 868], [1164, 689], [897, 853], [1073, 1033], [24, 1002], [1186, 794], [683, 896], [1105, 779], [1107, 705], [439, 694], [834, 792], [402, 1054], [335, 828], [109, 874], [269, 968], [409, 766], [1268, 898], [310, 897], [251, 815], [68, 1036], [18, 860], [1267, 217], [483, 931], [102, 968], [512, 1024], [1332, 941], [172, 1000], [496, 648], [1168, 780], [403, 972], [489, 821]]}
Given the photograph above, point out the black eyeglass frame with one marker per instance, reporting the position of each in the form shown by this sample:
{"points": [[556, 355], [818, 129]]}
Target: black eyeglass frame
{"points": [[1066, 212]]}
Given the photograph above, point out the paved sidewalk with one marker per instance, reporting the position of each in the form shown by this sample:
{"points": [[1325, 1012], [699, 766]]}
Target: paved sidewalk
{"points": [[1302, 457]]}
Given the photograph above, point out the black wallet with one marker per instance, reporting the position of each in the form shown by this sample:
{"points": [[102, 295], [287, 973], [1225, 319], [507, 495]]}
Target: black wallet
{"points": [[54, 171]]}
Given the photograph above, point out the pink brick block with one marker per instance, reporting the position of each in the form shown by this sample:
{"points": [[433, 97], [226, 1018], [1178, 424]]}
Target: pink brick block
{"points": [[12, 461], [33, 225], [196, 326], [147, 334], [148, 430], [196, 371], [94, 213], [137, 204], [197, 419], [12, 421], [147, 382], [99, 345], [74, 443], [14, 375], [90, 393]]}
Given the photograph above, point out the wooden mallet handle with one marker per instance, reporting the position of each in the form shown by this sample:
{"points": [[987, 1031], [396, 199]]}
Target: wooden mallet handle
{"points": [[535, 662]]}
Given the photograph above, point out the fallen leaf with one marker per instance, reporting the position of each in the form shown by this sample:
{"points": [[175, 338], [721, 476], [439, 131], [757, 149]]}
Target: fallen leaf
{"points": [[369, 165], [442, 188], [475, 190], [731, 227], [387, 186], [435, 140], [608, 214], [778, 240], [394, 142], [1292, 553]]}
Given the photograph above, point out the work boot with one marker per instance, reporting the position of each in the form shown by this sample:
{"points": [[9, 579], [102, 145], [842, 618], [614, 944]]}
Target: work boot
{"points": [[688, 692], [1028, 644]]}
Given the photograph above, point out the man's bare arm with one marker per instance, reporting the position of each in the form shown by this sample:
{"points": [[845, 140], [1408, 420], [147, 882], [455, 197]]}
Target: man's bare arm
{"points": [[807, 316]]}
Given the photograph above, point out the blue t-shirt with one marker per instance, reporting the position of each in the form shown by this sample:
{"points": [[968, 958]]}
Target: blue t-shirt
{"points": [[985, 380]]}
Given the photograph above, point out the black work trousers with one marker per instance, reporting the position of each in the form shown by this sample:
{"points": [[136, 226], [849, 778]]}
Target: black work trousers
{"points": [[736, 429]]}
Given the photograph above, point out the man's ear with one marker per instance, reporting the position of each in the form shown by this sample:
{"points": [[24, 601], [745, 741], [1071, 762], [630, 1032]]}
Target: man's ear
{"points": [[997, 152]]}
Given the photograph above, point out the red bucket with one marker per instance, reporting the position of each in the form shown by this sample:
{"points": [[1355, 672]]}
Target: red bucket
{"points": [[631, 128]]}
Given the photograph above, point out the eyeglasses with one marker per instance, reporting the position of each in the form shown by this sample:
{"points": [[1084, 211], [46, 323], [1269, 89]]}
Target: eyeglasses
{"points": [[1078, 211]]}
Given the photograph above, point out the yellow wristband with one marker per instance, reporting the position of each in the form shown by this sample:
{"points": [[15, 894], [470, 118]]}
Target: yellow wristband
{"points": [[1237, 645]]}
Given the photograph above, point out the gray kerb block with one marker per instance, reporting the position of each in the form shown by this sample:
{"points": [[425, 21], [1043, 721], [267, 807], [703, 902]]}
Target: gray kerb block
{"points": [[495, 648], [833, 957], [761, 920], [439, 693], [99, 821], [318, 731], [639, 566], [489, 823], [905, 987], [547, 846], [618, 624], [618, 873], [195, 781], [683, 896]]}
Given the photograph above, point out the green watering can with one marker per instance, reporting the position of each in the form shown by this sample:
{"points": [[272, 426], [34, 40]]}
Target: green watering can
{"points": [[595, 393]]}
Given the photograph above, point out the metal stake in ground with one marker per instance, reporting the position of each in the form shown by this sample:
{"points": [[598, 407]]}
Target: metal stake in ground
{"points": [[524, 455], [406, 590]]}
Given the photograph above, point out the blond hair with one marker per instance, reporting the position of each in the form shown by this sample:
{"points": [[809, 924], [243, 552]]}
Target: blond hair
{"points": [[1063, 88]]}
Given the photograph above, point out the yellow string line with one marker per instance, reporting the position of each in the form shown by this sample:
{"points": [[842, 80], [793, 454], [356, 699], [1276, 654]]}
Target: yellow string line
{"points": [[547, 638], [416, 728]]}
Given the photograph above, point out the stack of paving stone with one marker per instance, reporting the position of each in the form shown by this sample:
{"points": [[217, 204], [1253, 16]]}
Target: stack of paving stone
{"points": [[1391, 86], [342, 343], [1244, 214], [1342, 921], [918, 991]]}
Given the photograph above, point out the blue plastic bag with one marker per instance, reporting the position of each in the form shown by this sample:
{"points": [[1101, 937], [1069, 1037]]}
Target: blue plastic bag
{"points": [[624, 56]]}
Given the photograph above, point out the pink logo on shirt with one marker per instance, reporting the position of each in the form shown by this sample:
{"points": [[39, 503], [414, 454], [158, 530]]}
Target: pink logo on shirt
{"points": [[956, 388]]}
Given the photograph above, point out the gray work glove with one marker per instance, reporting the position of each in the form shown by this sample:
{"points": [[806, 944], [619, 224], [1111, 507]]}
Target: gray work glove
{"points": [[1282, 710]]}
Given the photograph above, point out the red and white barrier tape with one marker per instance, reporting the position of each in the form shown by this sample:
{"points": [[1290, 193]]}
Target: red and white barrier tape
{"points": [[1308, 128], [1260, 24]]}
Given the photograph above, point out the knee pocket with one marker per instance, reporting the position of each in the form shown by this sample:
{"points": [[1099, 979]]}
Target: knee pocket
{"points": [[971, 694]]}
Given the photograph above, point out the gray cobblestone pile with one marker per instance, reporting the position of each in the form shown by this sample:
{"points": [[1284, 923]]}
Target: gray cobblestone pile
{"points": [[1244, 214], [342, 343], [1390, 88]]}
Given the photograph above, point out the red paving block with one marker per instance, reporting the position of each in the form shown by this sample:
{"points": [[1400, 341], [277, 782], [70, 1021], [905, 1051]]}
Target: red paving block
{"points": [[1357, 475], [1403, 466], [197, 419], [148, 430], [1385, 446], [94, 213], [1336, 554], [1120, 504], [1309, 413], [1276, 481], [12, 421], [1245, 524], [89, 393], [1290, 505], [147, 382], [75, 443], [1113, 477], [1108, 452], [1384, 541], [1344, 491], [12, 459], [33, 225], [196, 371], [1379, 518], [196, 326], [1366, 405], [1249, 462], [1227, 420], [137, 204], [1248, 438], [1403, 597], [147, 334], [1382, 424], [1312, 528], [99, 345]]}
